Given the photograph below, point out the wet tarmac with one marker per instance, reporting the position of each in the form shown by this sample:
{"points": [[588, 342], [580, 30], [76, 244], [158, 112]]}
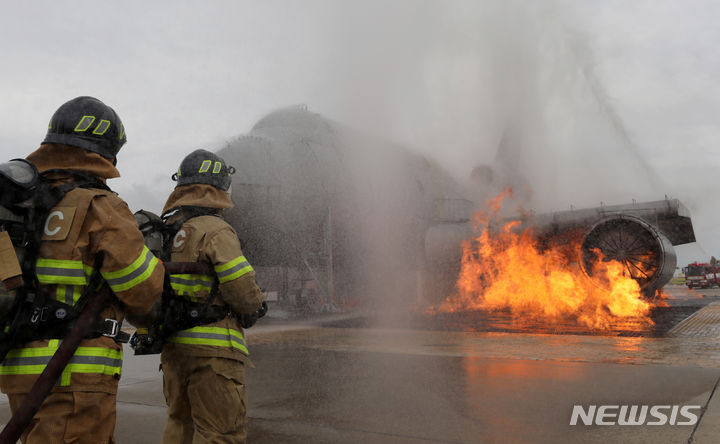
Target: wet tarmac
{"points": [[662, 320], [344, 379], [396, 397]]}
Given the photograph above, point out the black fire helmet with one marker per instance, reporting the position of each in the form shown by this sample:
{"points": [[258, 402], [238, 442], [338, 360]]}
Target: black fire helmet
{"points": [[202, 166], [87, 123]]}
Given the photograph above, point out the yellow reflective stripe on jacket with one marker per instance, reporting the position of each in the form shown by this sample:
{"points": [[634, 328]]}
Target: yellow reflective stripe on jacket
{"points": [[68, 294], [233, 269], [33, 360], [189, 284], [97, 360], [136, 273], [214, 336], [59, 271]]}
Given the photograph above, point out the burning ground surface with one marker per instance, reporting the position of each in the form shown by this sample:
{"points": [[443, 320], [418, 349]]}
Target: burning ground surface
{"points": [[507, 270]]}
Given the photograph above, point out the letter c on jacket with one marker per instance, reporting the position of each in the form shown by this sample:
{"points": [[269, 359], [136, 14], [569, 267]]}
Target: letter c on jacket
{"points": [[179, 239], [54, 231]]}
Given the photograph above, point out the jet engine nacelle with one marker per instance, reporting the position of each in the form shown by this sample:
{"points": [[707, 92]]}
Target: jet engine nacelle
{"points": [[641, 236]]}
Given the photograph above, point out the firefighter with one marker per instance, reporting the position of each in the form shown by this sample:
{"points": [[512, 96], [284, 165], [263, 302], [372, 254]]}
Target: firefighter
{"points": [[204, 366], [90, 226]]}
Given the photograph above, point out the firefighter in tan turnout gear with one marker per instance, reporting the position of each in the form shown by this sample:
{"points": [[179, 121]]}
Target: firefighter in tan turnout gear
{"points": [[204, 366], [78, 155]]}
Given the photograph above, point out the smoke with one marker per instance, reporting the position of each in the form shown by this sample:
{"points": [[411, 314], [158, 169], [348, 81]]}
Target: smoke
{"points": [[499, 93], [450, 78], [510, 85], [505, 86]]}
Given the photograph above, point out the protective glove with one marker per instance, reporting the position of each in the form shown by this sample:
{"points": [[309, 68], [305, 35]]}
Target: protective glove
{"points": [[248, 320], [146, 319]]}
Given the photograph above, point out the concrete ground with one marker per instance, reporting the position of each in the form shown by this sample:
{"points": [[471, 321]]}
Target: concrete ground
{"points": [[350, 385]]}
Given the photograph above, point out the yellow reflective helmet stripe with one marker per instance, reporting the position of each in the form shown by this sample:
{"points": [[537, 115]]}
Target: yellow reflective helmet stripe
{"points": [[205, 166], [232, 270], [212, 336], [101, 127], [136, 273], [84, 123]]}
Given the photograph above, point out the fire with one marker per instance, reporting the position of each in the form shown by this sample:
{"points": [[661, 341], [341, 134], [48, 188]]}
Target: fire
{"points": [[509, 269]]}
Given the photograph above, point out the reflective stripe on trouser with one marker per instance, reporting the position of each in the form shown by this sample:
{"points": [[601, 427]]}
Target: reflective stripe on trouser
{"points": [[33, 360], [213, 336], [232, 270]]}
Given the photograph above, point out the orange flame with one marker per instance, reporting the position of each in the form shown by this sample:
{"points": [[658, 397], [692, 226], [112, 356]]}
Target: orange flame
{"points": [[509, 270]]}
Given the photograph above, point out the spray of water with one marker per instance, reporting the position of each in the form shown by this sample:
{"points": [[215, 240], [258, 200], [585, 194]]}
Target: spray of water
{"points": [[498, 93]]}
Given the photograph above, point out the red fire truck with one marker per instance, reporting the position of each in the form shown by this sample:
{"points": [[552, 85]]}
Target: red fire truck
{"points": [[702, 275]]}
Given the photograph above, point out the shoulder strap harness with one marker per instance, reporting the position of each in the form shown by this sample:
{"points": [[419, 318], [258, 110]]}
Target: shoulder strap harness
{"points": [[191, 314], [36, 315]]}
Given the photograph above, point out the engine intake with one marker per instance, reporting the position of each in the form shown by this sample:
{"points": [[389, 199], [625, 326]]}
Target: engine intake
{"points": [[646, 254]]}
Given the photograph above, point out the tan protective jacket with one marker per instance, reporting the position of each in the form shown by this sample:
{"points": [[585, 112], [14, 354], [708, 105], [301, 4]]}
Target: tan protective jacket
{"points": [[211, 240], [84, 223]]}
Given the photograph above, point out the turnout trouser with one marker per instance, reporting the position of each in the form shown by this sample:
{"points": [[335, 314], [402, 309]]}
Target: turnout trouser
{"points": [[70, 417], [206, 400]]}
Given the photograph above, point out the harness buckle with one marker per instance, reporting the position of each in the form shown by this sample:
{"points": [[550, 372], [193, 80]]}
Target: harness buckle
{"points": [[111, 328], [35, 316]]}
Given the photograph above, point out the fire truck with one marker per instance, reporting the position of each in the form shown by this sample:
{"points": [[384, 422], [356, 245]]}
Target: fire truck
{"points": [[702, 275]]}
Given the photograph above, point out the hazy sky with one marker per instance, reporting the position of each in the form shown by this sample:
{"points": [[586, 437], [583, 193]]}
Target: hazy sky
{"points": [[609, 101]]}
